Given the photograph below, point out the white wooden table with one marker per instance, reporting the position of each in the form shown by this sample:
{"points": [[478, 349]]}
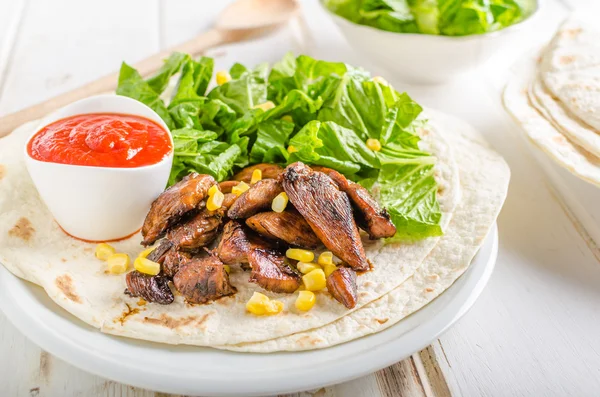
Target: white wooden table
{"points": [[534, 331]]}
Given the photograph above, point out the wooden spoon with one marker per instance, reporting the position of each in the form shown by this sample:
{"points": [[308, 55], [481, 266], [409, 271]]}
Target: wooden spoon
{"points": [[242, 20]]}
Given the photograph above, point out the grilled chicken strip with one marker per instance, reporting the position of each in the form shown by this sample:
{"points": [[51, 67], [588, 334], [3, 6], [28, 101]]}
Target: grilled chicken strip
{"points": [[203, 280], [269, 269], [328, 212], [198, 231], [288, 226], [234, 245], [150, 288], [159, 253], [269, 171], [226, 186], [173, 261], [369, 215], [341, 284], [173, 203], [258, 198], [229, 200]]}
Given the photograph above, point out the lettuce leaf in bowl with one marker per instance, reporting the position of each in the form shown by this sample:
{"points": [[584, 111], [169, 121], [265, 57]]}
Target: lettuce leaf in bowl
{"points": [[445, 17]]}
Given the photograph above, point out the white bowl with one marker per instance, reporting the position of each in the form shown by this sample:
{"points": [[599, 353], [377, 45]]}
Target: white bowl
{"points": [[100, 203], [425, 58]]}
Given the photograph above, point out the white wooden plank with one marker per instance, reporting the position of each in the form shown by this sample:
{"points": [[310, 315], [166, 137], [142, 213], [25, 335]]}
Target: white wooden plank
{"points": [[66, 43], [11, 15]]}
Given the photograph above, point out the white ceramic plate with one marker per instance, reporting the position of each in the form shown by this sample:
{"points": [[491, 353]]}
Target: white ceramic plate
{"points": [[193, 370]]}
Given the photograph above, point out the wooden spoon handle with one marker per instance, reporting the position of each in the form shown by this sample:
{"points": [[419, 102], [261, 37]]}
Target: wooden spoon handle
{"points": [[108, 83]]}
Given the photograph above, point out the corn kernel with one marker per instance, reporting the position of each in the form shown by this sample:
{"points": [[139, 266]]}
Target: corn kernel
{"points": [[104, 251], [380, 80], [260, 304], [240, 188], [292, 149], [213, 189], [329, 268], [305, 267], [265, 106], [326, 258], [227, 268], [315, 280], [256, 176], [146, 266], [287, 118], [146, 252], [305, 300], [223, 77], [374, 144], [280, 202], [118, 263], [300, 254], [215, 201]]}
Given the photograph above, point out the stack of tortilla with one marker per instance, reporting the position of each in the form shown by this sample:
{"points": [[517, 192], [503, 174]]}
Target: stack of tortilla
{"points": [[556, 99], [473, 181]]}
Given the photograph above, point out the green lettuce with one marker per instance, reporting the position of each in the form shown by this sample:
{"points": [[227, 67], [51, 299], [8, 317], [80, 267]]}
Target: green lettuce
{"points": [[322, 113], [445, 17]]}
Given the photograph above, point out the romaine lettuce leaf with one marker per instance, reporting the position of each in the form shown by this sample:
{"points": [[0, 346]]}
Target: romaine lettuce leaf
{"points": [[323, 114], [446, 17], [271, 142], [171, 66], [132, 85], [247, 88]]}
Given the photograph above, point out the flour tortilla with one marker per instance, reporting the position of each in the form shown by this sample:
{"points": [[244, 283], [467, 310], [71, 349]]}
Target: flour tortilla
{"points": [[484, 180], [562, 119], [542, 133], [33, 247], [570, 68]]}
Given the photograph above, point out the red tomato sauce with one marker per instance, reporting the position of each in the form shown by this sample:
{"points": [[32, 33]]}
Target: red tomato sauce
{"points": [[101, 140]]}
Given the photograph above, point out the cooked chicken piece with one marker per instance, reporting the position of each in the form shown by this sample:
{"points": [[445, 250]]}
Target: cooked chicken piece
{"points": [[269, 269], [341, 284], [234, 245], [269, 171], [173, 203], [226, 186], [328, 212], [159, 253], [369, 215], [173, 261], [288, 226], [151, 288], [197, 231], [229, 200], [203, 280], [258, 198]]}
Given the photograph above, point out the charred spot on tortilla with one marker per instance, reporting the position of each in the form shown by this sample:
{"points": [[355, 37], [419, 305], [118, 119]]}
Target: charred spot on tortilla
{"points": [[126, 314], [171, 322], [23, 229], [2, 171], [382, 320], [65, 284]]}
